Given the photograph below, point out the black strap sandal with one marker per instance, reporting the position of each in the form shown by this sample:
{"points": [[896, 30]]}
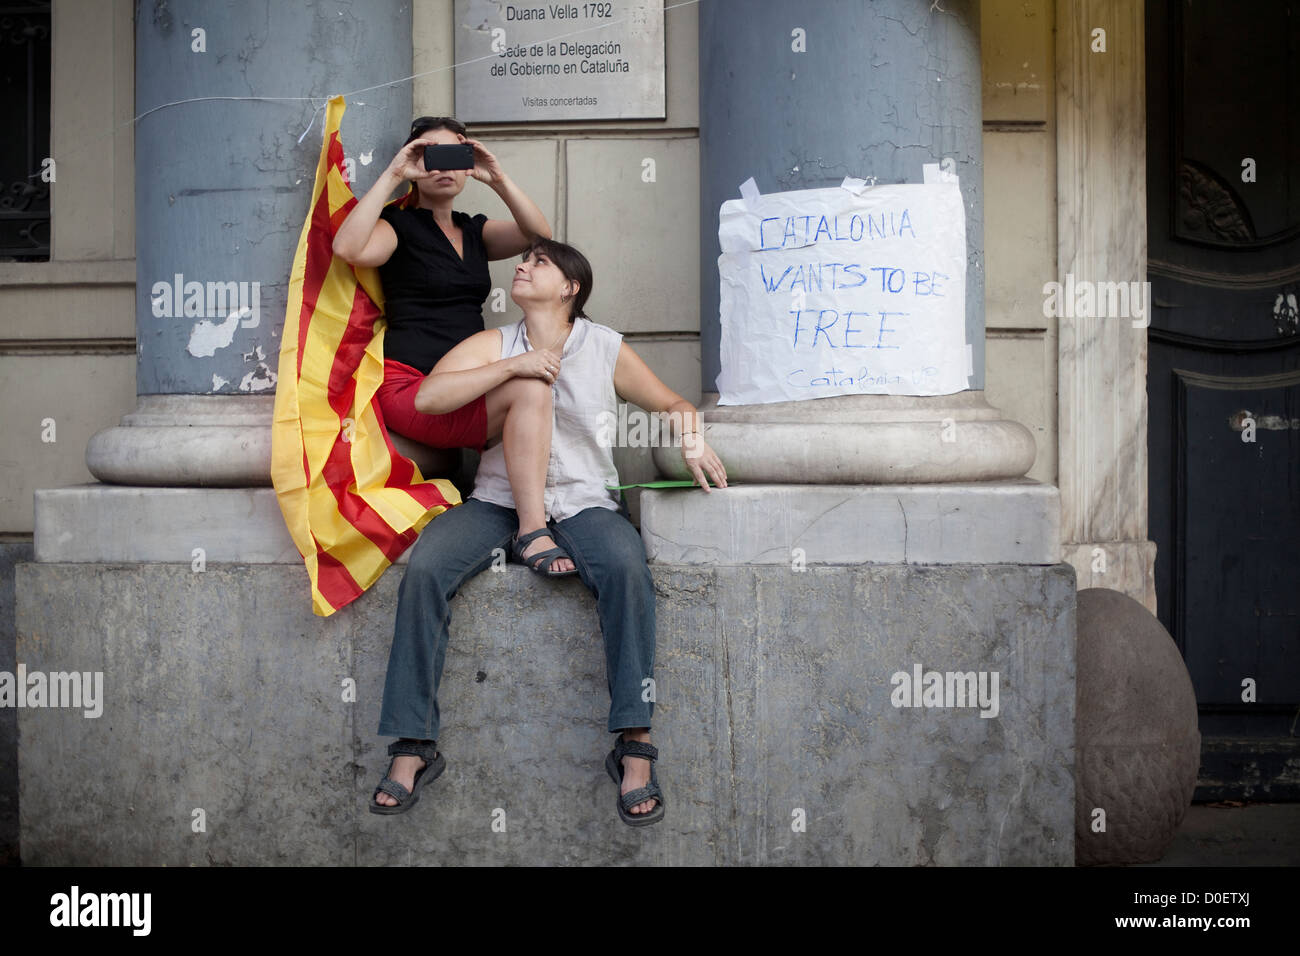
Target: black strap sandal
{"points": [[541, 561], [626, 801], [434, 764]]}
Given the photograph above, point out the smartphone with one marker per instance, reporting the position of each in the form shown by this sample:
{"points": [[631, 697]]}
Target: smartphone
{"points": [[449, 156]]}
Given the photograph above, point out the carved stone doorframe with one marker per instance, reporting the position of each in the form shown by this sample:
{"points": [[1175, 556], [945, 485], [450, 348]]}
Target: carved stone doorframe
{"points": [[1102, 237]]}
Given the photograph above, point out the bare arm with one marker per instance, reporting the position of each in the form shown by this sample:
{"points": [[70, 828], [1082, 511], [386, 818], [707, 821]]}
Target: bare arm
{"points": [[364, 239], [636, 383], [502, 238], [473, 368]]}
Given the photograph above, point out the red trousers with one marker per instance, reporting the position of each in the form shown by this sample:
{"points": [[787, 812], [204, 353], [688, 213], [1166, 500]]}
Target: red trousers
{"points": [[466, 427]]}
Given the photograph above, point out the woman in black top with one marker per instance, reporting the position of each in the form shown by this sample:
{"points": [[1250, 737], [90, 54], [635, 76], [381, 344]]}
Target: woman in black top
{"points": [[432, 263]]}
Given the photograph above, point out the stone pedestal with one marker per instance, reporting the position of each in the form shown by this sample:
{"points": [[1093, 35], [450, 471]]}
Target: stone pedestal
{"points": [[995, 522], [779, 738], [777, 684]]}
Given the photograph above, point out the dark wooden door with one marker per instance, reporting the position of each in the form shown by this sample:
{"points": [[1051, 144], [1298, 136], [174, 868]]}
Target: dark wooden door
{"points": [[1223, 106]]}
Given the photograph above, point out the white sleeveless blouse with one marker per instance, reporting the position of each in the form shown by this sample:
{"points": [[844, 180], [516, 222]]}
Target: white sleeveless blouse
{"points": [[580, 467]]}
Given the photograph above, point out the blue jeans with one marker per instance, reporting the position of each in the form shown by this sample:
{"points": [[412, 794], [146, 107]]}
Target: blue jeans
{"points": [[457, 545]]}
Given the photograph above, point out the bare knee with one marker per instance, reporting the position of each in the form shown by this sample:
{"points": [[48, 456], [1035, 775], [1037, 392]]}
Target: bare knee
{"points": [[532, 389], [526, 394], [529, 397]]}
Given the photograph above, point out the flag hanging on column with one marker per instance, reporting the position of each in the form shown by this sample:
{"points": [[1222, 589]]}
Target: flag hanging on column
{"points": [[351, 502]]}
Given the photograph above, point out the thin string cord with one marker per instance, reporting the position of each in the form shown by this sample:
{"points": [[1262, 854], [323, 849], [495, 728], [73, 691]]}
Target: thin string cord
{"points": [[377, 86], [317, 110]]}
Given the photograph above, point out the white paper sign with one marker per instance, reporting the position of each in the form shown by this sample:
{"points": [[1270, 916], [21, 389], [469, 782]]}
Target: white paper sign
{"points": [[843, 292]]}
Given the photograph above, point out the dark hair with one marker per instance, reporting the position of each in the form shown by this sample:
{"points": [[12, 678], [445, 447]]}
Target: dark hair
{"points": [[572, 264], [423, 124], [419, 126]]}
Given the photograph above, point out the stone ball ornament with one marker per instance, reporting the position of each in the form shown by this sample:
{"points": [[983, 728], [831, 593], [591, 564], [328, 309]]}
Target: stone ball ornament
{"points": [[1138, 747]]}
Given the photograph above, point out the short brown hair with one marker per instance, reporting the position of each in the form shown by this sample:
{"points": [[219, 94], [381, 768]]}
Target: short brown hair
{"points": [[572, 264]]}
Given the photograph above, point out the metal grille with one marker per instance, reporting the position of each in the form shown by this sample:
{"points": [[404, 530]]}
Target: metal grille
{"points": [[25, 146]]}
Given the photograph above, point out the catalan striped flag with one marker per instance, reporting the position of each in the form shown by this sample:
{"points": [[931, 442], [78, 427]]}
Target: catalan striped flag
{"points": [[352, 503]]}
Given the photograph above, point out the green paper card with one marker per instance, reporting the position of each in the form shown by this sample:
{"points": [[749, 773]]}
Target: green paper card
{"points": [[666, 483]]}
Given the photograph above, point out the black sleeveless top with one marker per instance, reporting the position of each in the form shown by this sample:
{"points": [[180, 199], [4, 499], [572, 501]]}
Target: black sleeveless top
{"points": [[432, 299]]}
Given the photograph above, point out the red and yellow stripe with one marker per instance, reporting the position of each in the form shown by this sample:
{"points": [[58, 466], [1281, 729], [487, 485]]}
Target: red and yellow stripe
{"points": [[351, 502]]}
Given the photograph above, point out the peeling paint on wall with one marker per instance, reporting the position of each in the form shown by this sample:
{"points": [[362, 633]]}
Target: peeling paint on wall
{"points": [[258, 380], [1281, 423], [206, 337]]}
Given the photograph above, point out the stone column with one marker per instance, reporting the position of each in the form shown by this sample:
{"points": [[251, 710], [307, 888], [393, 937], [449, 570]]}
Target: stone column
{"points": [[222, 184], [881, 89], [1102, 235]]}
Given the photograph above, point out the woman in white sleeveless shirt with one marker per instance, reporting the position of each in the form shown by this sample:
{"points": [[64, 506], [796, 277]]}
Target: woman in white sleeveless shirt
{"points": [[590, 368]]}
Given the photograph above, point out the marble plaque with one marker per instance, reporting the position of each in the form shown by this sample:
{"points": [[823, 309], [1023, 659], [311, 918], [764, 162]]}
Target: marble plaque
{"points": [[543, 62]]}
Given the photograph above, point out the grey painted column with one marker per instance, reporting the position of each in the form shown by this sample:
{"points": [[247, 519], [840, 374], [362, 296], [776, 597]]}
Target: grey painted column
{"points": [[882, 88], [222, 188]]}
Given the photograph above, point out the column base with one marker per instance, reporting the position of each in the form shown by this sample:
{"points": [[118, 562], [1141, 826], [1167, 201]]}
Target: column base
{"points": [[862, 439], [211, 441]]}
